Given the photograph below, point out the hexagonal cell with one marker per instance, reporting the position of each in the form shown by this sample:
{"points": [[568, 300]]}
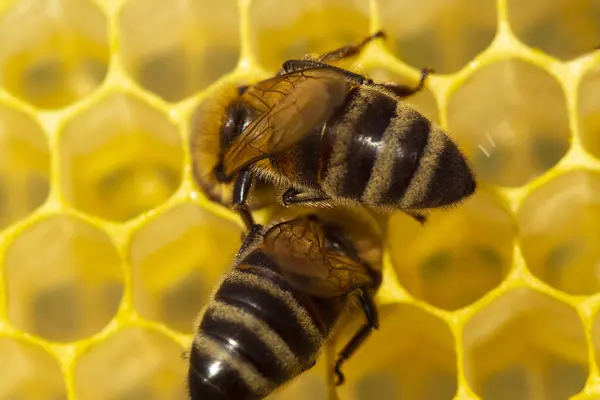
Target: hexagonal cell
{"points": [[28, 372], [133, 364], [182, 46], [24, 166], [302, 27], [422, 101], [55, 52], [519, 132], [70, 286], [589, 111], [120, 158], [458, 256], [443, 35], [561, 28], [411, 356], [205, 146], [559, 229], [177, 260], [525, 345]]}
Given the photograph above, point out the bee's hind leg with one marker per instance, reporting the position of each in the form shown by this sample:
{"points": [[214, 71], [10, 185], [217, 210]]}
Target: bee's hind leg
{"points": [[405, 90], [295, 197], [370, 309]]}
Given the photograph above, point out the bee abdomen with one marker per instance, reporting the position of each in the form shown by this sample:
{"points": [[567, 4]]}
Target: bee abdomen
{"points": [[258, 332], [286, 320]]}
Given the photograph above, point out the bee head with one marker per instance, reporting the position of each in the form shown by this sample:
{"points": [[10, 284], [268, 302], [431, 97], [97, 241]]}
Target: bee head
{"points": [[236, 118]]}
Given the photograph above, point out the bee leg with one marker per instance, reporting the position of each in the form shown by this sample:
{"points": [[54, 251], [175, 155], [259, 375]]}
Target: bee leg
{"points": [[241, 188], [370, 309], [249, 238], [348, 50], [300, 65], [420, 218], [294, 197], [404, 90]]}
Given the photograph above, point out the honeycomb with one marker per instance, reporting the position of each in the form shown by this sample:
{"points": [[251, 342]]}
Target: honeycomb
{"points": [[95, 174]]}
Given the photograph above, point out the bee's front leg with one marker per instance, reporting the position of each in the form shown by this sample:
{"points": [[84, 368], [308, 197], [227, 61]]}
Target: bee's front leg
{"points": [[241, 188], [349, 50]]}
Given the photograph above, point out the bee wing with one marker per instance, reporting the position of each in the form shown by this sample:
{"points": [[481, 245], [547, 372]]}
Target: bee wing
{"points": [[314, 271], [292, 105]]}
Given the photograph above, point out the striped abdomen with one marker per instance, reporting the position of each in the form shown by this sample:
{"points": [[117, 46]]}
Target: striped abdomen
{"points": [[257, 333], [381, 152]]}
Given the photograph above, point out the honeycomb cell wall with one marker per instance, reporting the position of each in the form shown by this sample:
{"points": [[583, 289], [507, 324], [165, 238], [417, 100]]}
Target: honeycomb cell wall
{"points": [[108, 248]]}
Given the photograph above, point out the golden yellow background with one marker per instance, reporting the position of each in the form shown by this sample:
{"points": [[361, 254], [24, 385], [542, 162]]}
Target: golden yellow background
{"points": [[108, 250]]}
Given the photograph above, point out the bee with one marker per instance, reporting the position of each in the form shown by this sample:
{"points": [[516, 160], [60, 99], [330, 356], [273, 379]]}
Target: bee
{"points": [[327, 136], [266, 323]]}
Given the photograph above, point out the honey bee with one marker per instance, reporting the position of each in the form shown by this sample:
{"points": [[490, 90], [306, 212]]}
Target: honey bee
{"points": [[325, 136], [268, 320]]}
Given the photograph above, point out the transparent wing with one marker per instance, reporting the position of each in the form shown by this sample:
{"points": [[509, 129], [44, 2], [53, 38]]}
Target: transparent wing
{"points": [[290, 107]]}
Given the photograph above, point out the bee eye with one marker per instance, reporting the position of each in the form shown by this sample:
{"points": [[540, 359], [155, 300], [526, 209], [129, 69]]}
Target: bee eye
{"points": [[335, 245], [336, 242]]}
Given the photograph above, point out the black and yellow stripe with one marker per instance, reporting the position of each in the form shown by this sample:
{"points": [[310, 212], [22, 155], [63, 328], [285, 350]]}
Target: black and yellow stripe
{"points": [[340, 133], [386, 153], [257, 333], [405, 139], [369, 132], [379, 151], [378, 142]]}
